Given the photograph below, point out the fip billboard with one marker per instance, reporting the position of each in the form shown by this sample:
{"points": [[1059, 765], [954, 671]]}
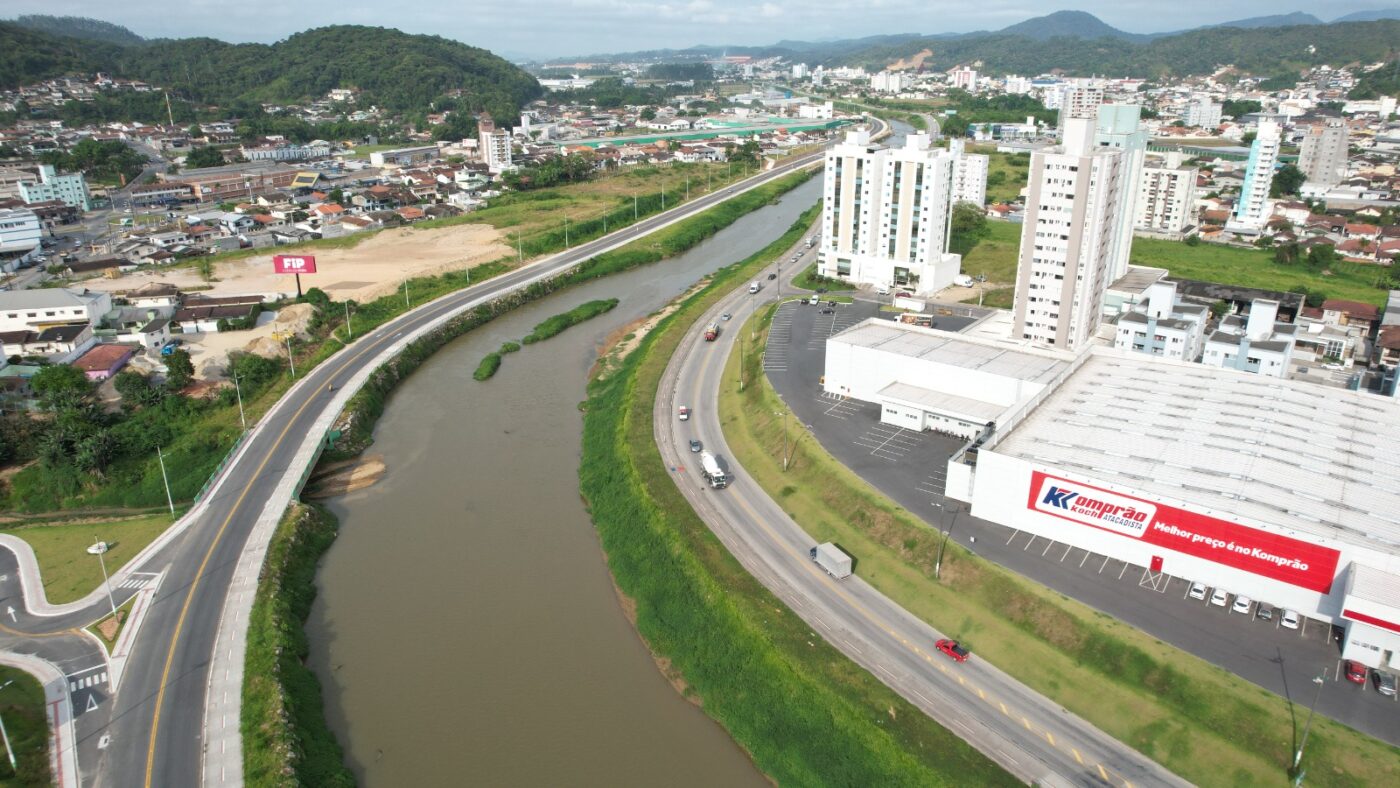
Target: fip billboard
{"points": [[293, 264], [1274, 556]]}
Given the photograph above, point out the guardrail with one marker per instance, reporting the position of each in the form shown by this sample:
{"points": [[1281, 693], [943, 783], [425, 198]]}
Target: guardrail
{"points": [[213, 477]]}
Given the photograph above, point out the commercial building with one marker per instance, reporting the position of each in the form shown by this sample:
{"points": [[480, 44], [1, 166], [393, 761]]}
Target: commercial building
{"points": [[35, 310], [1254, 207], [969, 173], [885, 214], [1255, 342], [1166, 196], [68, 189], [231, 182], [1201, 112], [1323, 154], [404, 157], [1263, 487], [286, 152], [1164, 325], [494, 144], [21, 236], [1116, 126], [1067, 239]]}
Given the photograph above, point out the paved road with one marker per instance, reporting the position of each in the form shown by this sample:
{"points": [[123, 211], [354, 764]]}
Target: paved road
{"points": [[153, 727], [909, 468], [1030, 736]]}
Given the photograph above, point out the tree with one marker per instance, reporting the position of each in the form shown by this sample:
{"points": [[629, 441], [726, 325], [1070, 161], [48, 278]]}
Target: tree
{"points": [[1218, 309], [1287, 254], [136, 389], [648, 114], [61, 387], [1315, 298], [205, 266], [179, 370], [967, 226], [1248, 138], [336, 196], [1322, 256], [1287, 181], [207, 156]]}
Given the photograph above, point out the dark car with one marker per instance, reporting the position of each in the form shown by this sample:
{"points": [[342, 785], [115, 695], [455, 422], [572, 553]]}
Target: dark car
{"points": [[828, 311], [821, 289], [694, 445], [1356, 672], [952, 649], [771, 277]]}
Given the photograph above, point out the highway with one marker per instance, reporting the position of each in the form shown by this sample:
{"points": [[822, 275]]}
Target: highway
{"points": [[1029, 735], [152, 730]]}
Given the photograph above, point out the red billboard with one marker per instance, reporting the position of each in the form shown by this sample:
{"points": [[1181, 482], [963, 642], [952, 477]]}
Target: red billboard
{"points": [[293, 264], [1274, 556]]}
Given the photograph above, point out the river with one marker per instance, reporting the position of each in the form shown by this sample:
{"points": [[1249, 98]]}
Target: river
{"points": [[466, 628]]}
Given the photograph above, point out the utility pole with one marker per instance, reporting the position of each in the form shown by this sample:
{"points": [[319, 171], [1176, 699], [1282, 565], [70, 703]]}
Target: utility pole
{"points": [[634, 206], [291, 362], [938, 564], [169, 113], [663, 195], [237, 389], [687, 187], [10, 751], [519, 249], [566, 232], [166, 479], [1298, 756], [106, 581], [405, 294], [349, 330]]}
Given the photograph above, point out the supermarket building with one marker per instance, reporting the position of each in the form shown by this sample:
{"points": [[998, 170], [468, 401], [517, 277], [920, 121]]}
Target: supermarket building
{"points": [[1282, 491]]}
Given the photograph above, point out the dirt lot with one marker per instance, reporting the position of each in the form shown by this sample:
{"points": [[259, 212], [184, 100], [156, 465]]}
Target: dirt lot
{"points": [[364, 272]]}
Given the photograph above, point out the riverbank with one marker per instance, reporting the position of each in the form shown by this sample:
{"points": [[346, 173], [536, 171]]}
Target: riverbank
{"points": [[1205, 724], [273, 731], [806, 714]]}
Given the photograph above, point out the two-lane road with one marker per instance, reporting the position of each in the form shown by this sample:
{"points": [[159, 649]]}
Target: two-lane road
{"points": [[1032, 737]]}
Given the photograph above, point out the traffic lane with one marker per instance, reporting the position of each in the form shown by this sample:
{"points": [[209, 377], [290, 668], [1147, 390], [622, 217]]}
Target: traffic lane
{"points": [[705, 375]]}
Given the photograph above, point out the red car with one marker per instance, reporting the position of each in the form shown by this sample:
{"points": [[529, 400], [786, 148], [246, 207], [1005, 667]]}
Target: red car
{"points": [[1356, 672], [958, 653]]}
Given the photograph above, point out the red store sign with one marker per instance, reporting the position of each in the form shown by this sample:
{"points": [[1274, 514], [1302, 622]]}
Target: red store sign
{"points": [[1274, 556]]}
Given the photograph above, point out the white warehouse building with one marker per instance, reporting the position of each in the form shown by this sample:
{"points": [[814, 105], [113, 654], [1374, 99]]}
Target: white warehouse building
{"points": [[1261, 486]]}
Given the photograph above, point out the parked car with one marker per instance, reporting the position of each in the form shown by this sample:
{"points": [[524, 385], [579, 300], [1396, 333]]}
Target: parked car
{"points": [[695, 445], [1265, 612], [169, 347], [1220, 597], [1289, 619], [828, 311], [952, 649], [683, 413], [1198, 591], [1242, 604], [1385, 682], [1355, 671]]}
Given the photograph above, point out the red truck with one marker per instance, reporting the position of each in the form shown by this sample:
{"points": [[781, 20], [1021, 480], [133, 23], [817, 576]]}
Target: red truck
{"points": [[711, 332]]}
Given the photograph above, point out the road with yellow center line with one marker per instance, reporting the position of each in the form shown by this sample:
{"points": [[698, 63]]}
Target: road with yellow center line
{"points": [[1032, 737]]}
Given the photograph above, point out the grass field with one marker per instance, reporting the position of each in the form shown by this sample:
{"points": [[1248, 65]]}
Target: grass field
{"points": [[1256, 268], [1197, 720], [26, 724], [1006, 173], [806, 714], [995, 255], [61, 548]]}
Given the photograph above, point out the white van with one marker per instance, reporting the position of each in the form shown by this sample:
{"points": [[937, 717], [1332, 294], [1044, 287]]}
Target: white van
{"points": [[816, 299], [754, 288], [962, 280]]}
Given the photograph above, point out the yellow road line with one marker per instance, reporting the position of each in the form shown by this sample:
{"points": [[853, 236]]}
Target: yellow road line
{"points": [[1050, 738], [1077, 757], [1102, 772]]}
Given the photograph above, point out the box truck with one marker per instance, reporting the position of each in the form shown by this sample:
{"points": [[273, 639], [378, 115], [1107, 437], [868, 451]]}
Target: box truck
{"points": [[709, 468], [829, 557], [711, 332]]}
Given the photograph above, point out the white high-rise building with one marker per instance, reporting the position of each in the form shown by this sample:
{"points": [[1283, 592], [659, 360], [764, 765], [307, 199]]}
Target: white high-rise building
{"points": [[1201, 112], [494, 144], [890, 82], [1018, 85], [965, 78], [1323, 155], [1079, 99], [885, 214], [1254, 206], [1117, 127], [1166, 197], [71, 189], [969, 173], [1067, 239], [799, 71]]}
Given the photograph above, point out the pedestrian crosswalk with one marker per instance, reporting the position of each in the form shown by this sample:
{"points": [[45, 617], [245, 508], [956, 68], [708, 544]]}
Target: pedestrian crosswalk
{"points": [[86, 682], [138, 580]]}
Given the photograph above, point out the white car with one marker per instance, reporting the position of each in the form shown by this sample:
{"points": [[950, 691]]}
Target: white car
{"points": [[1242, 604], [1198, 591], [683, 413], [1289, 620], [1220, 597]]}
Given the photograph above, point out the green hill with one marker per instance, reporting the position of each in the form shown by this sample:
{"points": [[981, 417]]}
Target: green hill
{"points": [[80, 27], [392, 69]]}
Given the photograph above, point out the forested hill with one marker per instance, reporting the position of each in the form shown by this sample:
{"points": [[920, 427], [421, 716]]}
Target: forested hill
{"points": [[80, 27], [1260, 51], [392, 69]]}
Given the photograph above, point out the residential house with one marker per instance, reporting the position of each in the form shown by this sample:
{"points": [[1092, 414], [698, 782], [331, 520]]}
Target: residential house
{"points": [[58, 344], [1164, 325], [203, 313], [42, 308], [1256, 342], [104, 361]]}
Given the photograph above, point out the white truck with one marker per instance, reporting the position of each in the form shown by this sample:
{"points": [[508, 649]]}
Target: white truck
{"points": [[754, 288], [709, 468], [829, 557]]}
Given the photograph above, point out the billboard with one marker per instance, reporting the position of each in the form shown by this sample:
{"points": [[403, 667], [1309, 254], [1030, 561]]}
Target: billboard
{"points": [[293, 264], [1270, 555]]}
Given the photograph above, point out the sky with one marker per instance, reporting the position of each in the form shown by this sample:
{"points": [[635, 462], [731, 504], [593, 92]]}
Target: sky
{"points": [[552, 28]]}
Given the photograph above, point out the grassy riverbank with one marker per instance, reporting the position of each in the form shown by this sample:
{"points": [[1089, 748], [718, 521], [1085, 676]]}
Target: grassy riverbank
{"points": [[286, 741], [806, 714], [1201, 722]]}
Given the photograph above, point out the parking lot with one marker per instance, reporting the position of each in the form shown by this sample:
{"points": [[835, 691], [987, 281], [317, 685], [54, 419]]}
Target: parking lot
{"points": [[909, 468]]}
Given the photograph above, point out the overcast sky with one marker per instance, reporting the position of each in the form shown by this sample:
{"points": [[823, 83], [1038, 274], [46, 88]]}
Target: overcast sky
{"points": [[542, 28]]}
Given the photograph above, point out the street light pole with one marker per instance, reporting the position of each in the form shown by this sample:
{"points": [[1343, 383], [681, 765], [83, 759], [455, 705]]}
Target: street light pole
{"points": [[10, 751], [938, 563], [291, 362], [1298, 756], [166, 479], [349, 330], [237, 389], [106, 581]]}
